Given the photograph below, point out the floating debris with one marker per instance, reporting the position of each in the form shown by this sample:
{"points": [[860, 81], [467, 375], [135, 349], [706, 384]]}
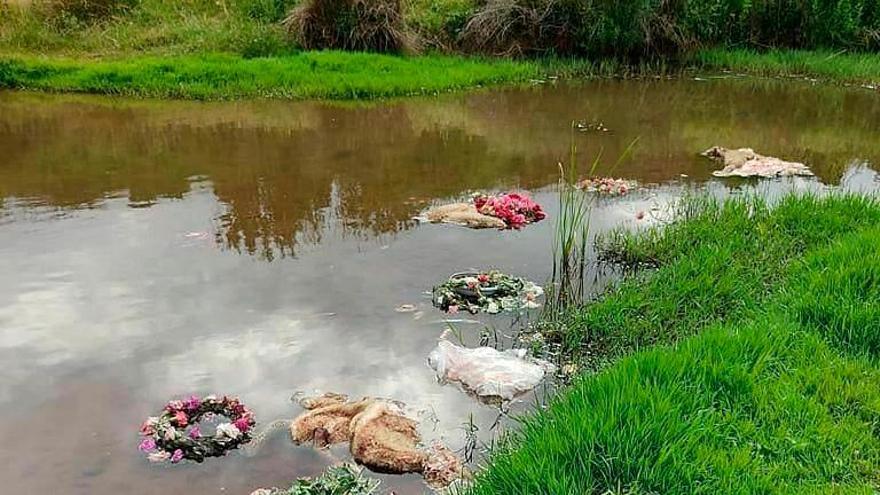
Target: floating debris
{"points": [[744, 162], [487, 372], [607, 185], [405, 308], [345, 478], [491, 292], [584, 126], [464, 214], [380, 435], [503, 211]]}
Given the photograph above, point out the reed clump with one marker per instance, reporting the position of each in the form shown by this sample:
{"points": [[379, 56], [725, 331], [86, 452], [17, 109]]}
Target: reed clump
{"points": [[358, 25]]}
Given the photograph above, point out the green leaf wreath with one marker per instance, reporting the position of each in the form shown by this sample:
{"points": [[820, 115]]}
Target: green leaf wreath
{"points": [[491, 291]]}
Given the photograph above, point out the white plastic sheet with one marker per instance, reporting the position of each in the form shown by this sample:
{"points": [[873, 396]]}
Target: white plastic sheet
{"points": [[487, 372]]}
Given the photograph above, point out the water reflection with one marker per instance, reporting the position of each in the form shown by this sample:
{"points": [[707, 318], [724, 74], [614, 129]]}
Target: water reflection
{"points": [[288, 171], [115, 296]]}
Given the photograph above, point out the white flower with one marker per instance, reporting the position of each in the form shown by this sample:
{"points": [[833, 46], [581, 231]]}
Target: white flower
{"points": [[492, 308], [509, 303], [159, 456], [228, 430], [170, 434], [533, 291]]}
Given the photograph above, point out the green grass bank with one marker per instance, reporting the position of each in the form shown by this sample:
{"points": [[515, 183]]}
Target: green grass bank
{"points": [[322, 75], [210, 49], [340, 75], [770, 379], [856, 68]]}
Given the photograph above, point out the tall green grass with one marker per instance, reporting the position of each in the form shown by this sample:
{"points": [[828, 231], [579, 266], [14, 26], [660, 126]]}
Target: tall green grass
{"points": [[718, 261], [250, 28], [835, 66], [631, 29], [778, 393]]}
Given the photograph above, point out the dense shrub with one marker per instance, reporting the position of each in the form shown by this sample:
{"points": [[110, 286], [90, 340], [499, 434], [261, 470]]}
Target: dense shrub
{"points": [[363, 25], [518, 27], [439, 23], [639, 28]]}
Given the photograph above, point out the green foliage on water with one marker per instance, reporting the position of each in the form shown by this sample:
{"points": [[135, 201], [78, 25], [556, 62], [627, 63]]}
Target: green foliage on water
{"points": [[769, 382], [344, 479], [328, 74]]}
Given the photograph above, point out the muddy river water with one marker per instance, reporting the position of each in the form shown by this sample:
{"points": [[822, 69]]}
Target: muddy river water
{"points": [[150, 250]]}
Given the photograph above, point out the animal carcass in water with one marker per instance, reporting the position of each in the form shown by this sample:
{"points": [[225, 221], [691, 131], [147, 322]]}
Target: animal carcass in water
{"points": [[744, 162]]}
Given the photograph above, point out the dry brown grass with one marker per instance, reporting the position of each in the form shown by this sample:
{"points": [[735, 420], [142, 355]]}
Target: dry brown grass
{"points": [[361, 25], [519, 27]]}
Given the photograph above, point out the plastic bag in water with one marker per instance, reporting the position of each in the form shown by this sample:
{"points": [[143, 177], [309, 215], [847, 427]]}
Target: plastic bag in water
{"points": [[488, 372]]}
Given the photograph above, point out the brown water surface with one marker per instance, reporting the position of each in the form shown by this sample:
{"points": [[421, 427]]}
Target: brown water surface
{"points": [[154, 249]]}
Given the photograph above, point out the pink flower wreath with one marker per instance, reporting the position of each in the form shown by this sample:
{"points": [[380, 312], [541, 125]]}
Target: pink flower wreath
{"points": [[517, 210], [175, 435]]}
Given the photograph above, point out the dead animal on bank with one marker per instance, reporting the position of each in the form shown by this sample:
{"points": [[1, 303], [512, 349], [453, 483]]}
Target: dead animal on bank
{"points": [[744, 162]]}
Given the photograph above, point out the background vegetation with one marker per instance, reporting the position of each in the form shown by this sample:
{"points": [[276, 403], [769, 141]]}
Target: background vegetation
{"points": [[594, 28]]}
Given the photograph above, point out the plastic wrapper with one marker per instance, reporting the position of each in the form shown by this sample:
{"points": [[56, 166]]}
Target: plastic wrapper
{"points": [[487, 372]]}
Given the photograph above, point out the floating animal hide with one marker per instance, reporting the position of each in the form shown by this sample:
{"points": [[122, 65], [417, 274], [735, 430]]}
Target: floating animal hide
{"points": [[380, 436], [744, 162], [464, 214]]}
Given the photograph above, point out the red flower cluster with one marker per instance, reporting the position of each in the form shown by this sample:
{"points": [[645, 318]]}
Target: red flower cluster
{"points": [[517, 210]]}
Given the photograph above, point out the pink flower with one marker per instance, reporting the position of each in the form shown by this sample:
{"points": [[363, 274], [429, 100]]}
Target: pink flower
{"points": [[515, 209], [176, 456], [453, 309], [483, 278], [195, 432], [149, 426], [181, 418], [192, 404], [147, 445], [242, 424], [174, 405]]}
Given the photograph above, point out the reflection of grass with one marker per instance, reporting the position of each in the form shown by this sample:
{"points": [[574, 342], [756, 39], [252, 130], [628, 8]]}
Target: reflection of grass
{"points": [[777, 393]]}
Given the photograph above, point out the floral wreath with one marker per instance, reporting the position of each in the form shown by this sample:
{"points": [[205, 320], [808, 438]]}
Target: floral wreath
{"points": [[491, 291], [175, 434], [516, 209]]}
